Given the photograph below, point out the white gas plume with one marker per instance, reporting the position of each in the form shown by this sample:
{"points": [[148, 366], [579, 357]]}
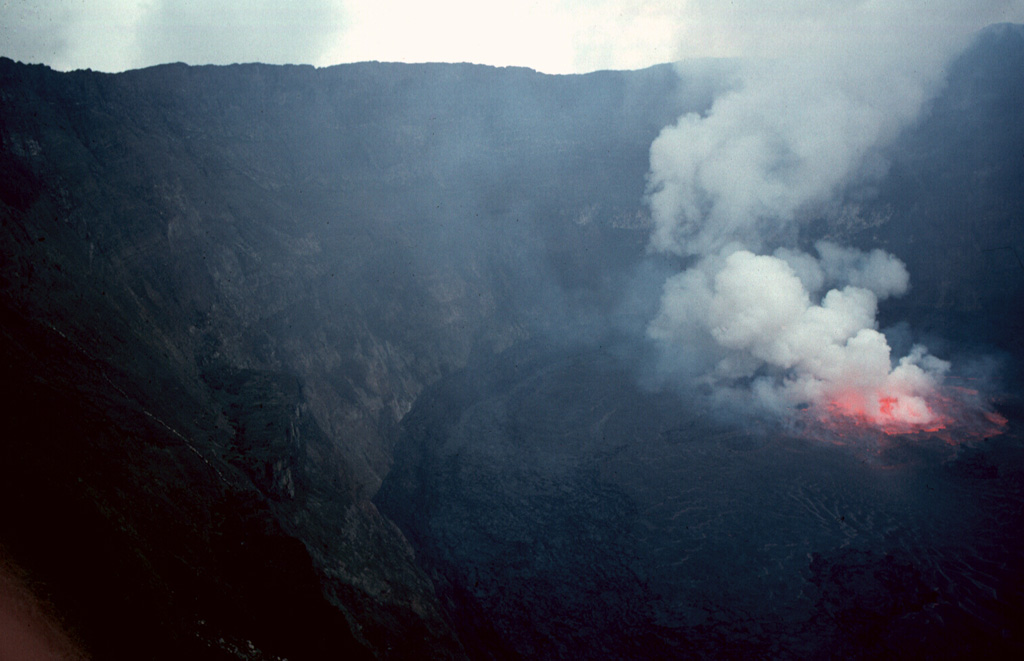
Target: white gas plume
{"points": [[795, 345], [799, 131]]}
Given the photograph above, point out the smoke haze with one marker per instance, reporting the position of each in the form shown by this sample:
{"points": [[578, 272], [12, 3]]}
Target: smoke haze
{"points": [[819, 348], [798, 133]]}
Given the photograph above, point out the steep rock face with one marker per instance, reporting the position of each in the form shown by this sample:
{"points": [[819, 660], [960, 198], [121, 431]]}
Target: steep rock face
{"points": [[566, 512], [222, 288], [365, 227], [146, 542], [950, 207]]}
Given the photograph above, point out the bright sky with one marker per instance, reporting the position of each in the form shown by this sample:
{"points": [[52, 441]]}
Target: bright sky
{"points": [[554, 36]]}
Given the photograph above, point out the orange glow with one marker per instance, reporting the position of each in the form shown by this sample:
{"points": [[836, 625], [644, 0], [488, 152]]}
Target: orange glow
{"points": [[954, 414]]}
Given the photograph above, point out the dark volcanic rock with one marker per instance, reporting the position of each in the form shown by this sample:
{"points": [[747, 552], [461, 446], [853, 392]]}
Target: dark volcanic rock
{"points": [[221, 289], [233, 298], [145, 546], [567, 513]]}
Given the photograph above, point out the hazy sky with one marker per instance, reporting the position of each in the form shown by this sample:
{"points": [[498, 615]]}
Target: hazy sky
{"points": [[554, 36]]}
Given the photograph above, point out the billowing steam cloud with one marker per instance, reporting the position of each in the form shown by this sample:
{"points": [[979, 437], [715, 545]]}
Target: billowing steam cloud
{"points": [[770, 320], [794, 329]]}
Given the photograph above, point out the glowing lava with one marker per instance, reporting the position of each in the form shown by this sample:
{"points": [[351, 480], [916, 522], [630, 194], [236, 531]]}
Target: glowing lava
{"points": [[954, 414], [889, 413]]}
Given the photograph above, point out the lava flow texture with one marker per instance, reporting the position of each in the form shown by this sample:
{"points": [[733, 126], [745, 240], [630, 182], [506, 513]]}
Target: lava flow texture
{"points": [[954, 414]]}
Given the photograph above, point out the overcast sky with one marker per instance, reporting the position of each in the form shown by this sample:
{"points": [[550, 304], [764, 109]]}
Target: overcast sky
{"points": [[554, 36]]}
